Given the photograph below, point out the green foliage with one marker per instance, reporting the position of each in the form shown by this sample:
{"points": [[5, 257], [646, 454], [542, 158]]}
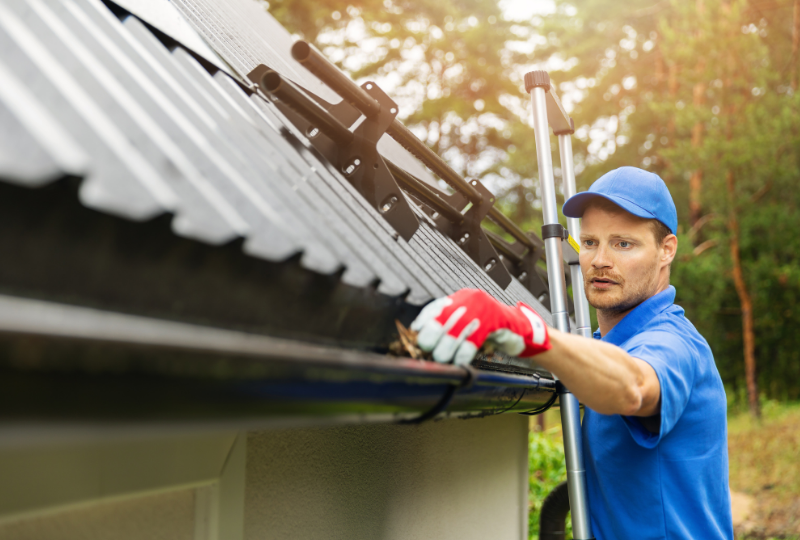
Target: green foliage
{"points": [[678, 87], [547, 470], [673, 87]]}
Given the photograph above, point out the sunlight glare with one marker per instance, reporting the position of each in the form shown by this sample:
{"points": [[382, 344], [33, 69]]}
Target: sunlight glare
{"points": [[523, 10]]}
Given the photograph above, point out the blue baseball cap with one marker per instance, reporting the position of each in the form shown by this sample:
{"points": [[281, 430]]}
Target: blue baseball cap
{"points": [[637, 191]]}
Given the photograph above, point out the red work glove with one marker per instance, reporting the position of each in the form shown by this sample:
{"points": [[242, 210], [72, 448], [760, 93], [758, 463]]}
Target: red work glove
{"points": [[456, 326]]}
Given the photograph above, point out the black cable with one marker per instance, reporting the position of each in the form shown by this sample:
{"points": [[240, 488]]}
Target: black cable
{"points": [[543, 408], [484, 413], [469, 378], [521, 394], [445, 400]]}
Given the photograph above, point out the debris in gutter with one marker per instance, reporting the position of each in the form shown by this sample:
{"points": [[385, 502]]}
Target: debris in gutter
{"points": [[405, 346]]}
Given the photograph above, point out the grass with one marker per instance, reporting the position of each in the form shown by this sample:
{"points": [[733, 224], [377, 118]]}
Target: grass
{"points": [[764, 464]]}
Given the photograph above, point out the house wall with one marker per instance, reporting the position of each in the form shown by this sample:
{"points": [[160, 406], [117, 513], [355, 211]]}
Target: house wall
{"points": [[161, 516], [448, 479], [453, 479]]}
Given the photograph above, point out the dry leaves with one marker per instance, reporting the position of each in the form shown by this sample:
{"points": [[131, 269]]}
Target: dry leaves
{"points": [[406, 344]]}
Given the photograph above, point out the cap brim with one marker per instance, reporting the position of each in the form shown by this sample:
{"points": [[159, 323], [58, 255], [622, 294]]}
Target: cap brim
{"points": [[577, 204]]}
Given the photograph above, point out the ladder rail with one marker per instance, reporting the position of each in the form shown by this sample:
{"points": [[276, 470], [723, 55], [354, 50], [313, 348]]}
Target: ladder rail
{"points": [[583, 319], [537, 83], [555, 262]]}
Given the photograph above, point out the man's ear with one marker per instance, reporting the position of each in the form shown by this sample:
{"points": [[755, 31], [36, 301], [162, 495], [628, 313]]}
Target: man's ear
{"points": [[669, 247]]}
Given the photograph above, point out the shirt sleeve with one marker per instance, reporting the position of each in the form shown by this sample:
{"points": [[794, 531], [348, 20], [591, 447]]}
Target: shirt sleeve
{"points": [[674, 364]]}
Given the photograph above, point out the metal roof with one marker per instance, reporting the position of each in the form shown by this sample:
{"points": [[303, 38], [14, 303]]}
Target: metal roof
{"points": [[143, 178], [151, 131]]}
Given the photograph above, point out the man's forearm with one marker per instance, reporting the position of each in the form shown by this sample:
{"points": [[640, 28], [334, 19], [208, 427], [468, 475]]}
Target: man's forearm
{"points": [[603, 377]]}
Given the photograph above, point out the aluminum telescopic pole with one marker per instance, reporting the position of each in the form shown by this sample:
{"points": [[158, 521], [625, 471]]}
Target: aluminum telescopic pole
{"points": [[537, 83], [552, 245], [582, 317]]}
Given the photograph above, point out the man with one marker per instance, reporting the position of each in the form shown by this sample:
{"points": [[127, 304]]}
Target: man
{"points": [[654, 427]]}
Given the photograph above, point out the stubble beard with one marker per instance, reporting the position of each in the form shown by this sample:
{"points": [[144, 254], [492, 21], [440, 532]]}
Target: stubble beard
{"points": [[611, 302]]}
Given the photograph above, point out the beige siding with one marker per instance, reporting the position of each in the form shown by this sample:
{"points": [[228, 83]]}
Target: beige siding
{"points": [[163, 516], [454, 479]]}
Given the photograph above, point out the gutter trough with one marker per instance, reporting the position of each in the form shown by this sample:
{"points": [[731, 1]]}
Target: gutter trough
{"points": [[63, 363]]}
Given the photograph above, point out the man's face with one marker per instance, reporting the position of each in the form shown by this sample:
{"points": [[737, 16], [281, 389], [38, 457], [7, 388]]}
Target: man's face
{"points": [[620, 259]]}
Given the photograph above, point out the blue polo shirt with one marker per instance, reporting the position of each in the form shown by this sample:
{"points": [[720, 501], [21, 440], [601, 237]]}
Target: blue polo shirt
{"points": [[672, 484]]}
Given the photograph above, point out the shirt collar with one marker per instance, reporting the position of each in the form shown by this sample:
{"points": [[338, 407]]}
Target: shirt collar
{"points": [[638, 317]]}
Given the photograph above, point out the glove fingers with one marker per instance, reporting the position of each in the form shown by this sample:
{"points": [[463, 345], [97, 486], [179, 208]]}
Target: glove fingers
{"points": [[430, 312], [455, 327], [464, 339], [430, 334], [465, 353], [445, 350]]}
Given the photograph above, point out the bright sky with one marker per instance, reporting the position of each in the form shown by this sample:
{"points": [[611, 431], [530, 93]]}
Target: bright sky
{"points": [[525, 9]]}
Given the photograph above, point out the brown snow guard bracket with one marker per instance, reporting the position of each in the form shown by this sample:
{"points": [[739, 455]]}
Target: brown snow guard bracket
{"points": [[347, 133], [471, 237], [354, 153]]}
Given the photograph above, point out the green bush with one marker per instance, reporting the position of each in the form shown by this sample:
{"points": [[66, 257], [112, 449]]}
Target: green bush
{"points": [[547, 470]]}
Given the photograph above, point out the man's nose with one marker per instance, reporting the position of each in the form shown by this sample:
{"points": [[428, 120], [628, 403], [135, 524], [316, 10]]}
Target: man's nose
{"points": [[602, 258]]}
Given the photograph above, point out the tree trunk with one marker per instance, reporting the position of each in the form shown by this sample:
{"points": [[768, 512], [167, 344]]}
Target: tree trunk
{"points": [[795, 43], [745, 302], [660, 76], [672, 86], [696, 181], [698, 99], [695, 188]]}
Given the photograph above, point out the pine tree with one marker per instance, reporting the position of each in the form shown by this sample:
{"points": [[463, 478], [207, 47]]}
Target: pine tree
{"points": [[703, 93], [696, 93]]}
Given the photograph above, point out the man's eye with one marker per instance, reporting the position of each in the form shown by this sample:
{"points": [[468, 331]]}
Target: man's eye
{"points": [[624, 244], [588, 242]]}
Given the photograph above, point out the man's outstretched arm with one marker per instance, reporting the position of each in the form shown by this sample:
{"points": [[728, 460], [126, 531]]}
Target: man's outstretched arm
{"points": [[602, 376]]}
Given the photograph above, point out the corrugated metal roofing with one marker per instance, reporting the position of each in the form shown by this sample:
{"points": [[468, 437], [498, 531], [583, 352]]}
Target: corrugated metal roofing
{"points": [[95, 94]]}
